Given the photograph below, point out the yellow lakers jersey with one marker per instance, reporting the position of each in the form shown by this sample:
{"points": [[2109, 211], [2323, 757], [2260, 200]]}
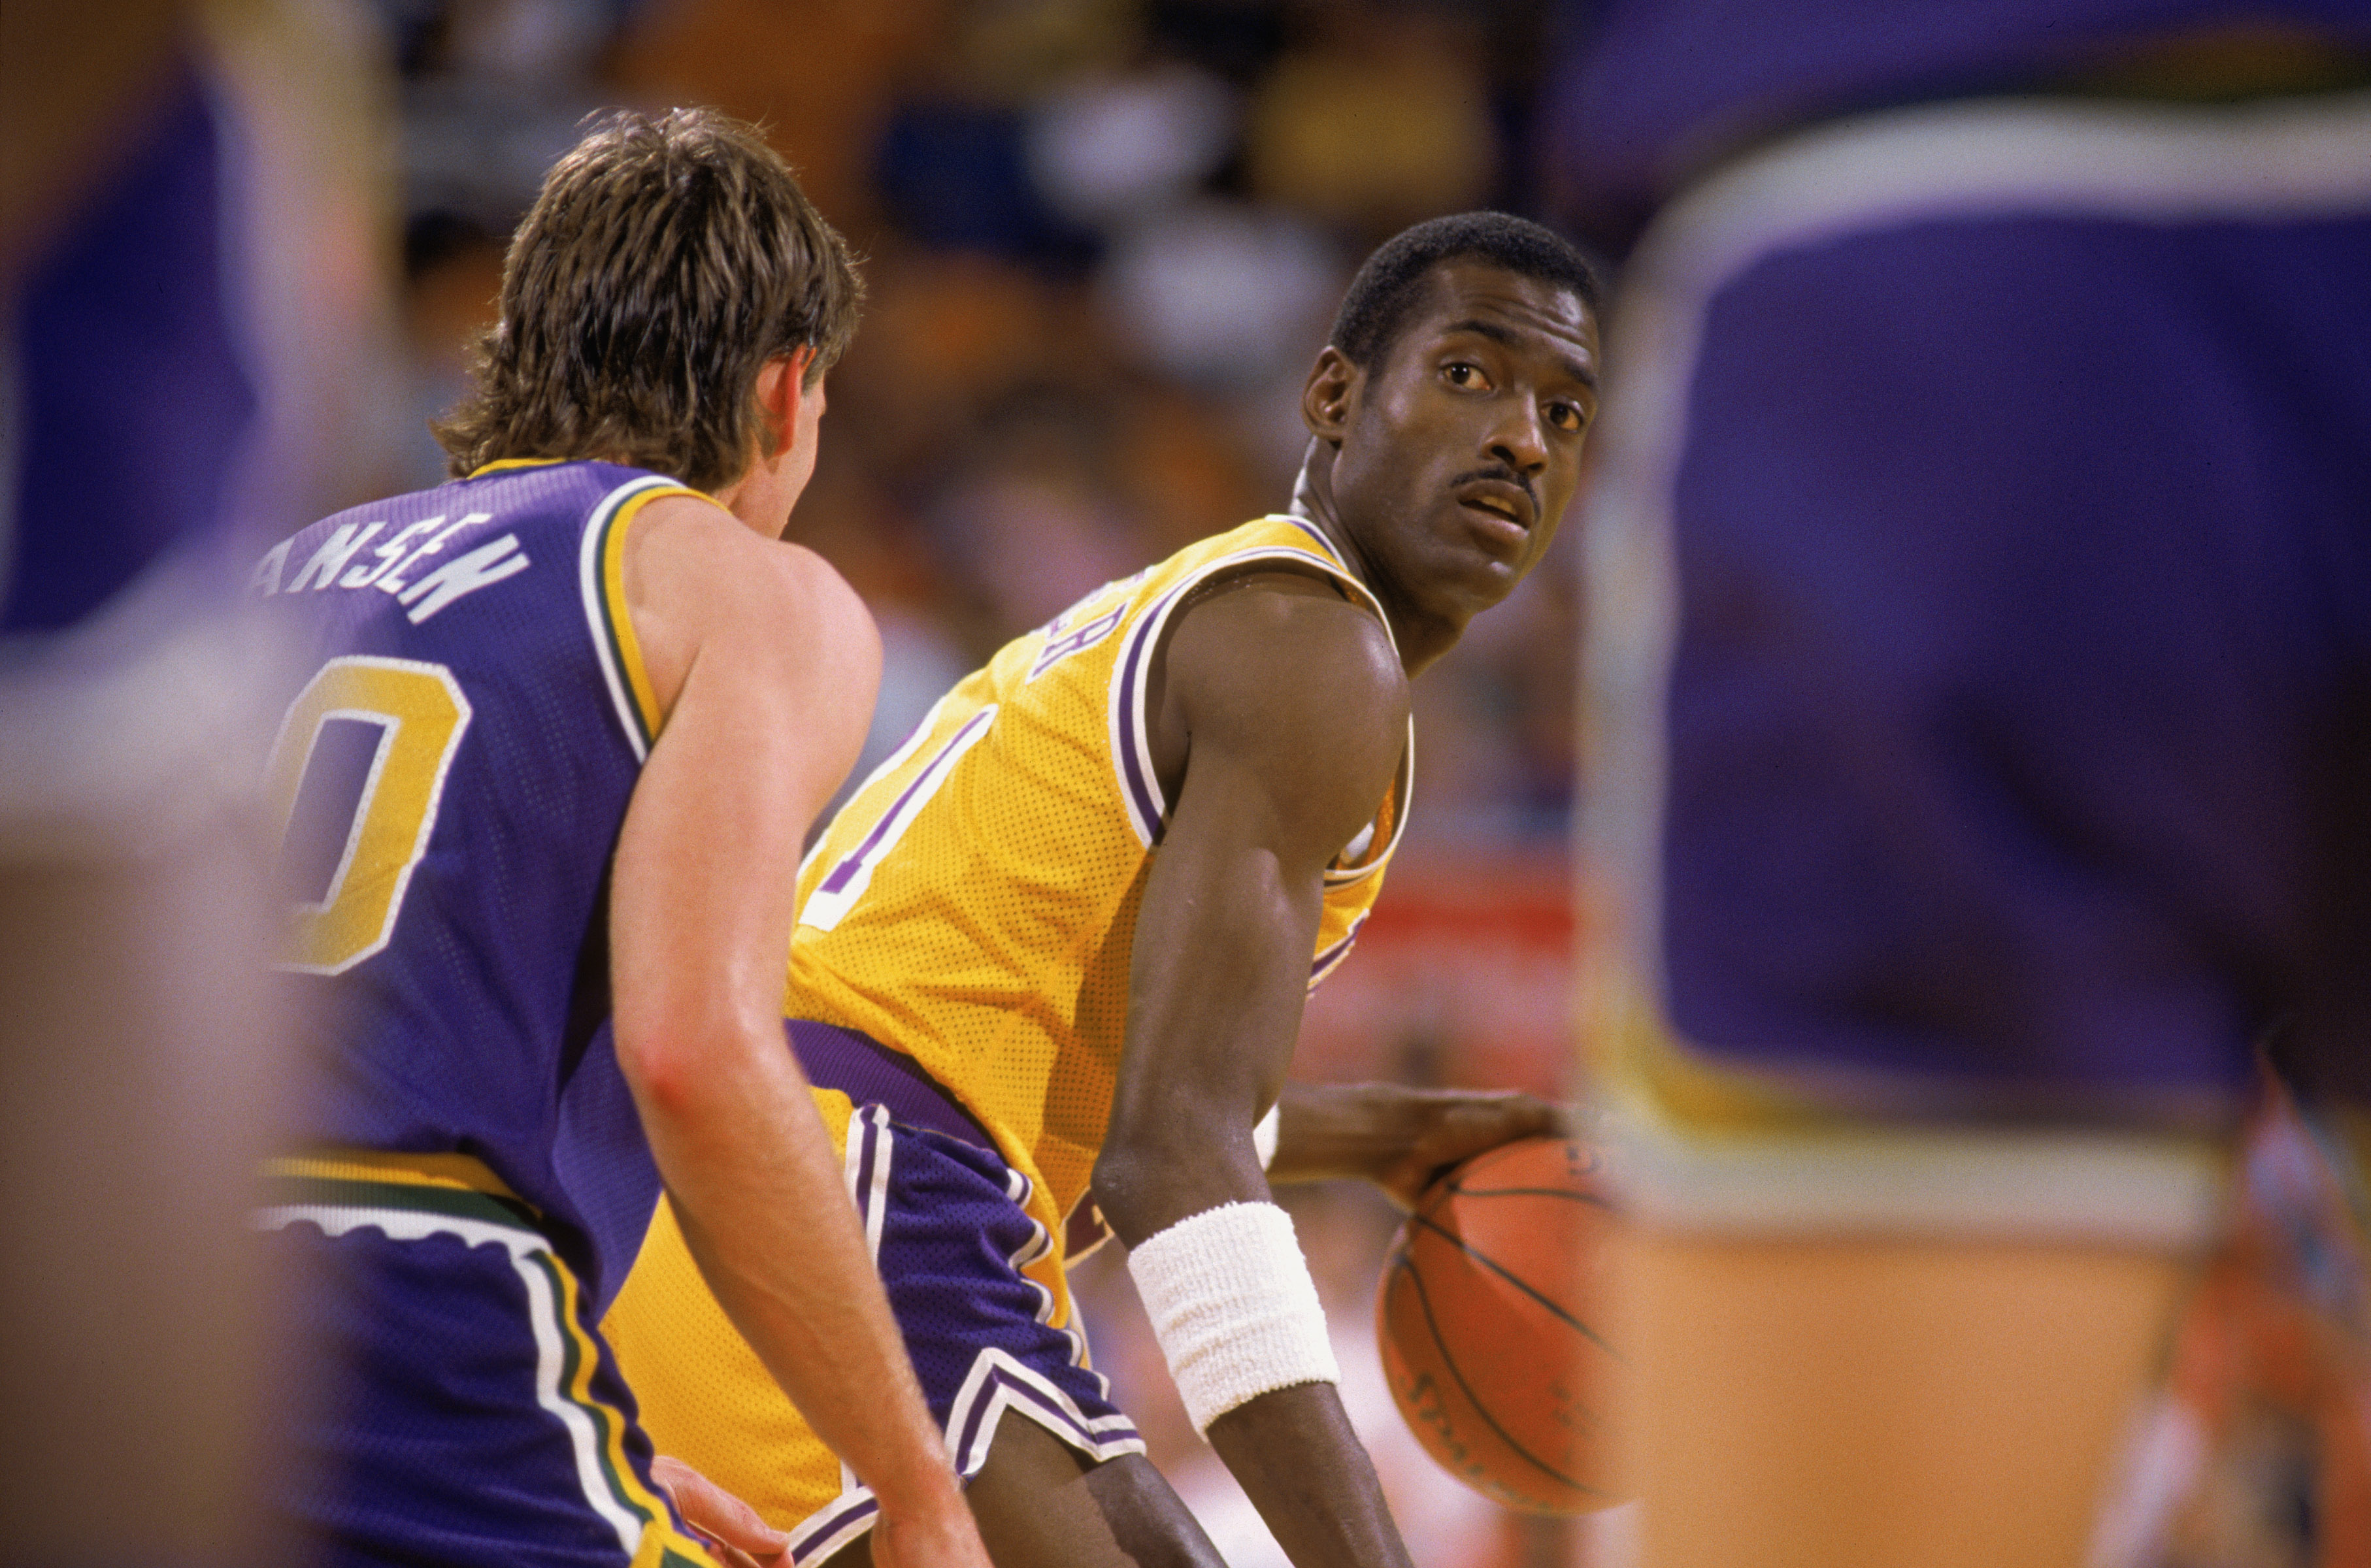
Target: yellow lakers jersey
{"points": [[975, 902], [973, 905]]}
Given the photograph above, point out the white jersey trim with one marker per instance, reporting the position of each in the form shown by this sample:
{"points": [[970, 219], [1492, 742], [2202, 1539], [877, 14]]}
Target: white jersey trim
{"points": [[1129, 726], [589, 551]]}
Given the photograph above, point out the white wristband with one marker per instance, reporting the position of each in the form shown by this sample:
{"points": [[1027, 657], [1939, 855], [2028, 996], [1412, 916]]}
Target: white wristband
{"points": [[1263, 1136], [1233, 1308]]}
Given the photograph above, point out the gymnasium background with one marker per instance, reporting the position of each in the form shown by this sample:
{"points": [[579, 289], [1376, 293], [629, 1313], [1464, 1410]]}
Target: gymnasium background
{"points": [[1105, 237]]}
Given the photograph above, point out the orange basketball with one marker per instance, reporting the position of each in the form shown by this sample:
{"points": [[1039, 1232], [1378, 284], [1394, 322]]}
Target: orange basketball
{"points": [[1484, 1332]]}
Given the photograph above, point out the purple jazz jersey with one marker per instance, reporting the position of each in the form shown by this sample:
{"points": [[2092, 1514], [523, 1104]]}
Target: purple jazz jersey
{"points": [[470, 1023], [2021, 714]]}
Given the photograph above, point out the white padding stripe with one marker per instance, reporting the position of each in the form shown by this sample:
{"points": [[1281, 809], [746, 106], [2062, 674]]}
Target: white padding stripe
{"points": [[2079, 1187], [1233, 1308]]}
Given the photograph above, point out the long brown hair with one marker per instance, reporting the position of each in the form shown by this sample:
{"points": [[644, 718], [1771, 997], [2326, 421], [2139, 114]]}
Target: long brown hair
{"points": [[667, 260]]}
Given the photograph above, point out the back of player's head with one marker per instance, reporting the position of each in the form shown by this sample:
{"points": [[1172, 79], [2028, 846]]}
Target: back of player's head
{"points": [[667, 259], [1377, 304]]}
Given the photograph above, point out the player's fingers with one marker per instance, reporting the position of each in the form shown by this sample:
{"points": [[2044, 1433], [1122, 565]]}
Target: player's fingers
{"points": [[1474, 1124], [714, 1512], [1562, 1120], [1455, 1126], [1483, 1122], [1404, 1183]]}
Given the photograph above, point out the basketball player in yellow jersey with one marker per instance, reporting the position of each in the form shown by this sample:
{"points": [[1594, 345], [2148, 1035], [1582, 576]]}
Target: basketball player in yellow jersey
{"points": [[1060, 942]]}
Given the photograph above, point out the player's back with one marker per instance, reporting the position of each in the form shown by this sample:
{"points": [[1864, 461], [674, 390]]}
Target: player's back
{"points": [[465, 729]]}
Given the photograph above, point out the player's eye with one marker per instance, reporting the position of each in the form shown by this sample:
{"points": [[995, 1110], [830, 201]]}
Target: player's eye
{"points": [[1567, 417], [1458, 373]]}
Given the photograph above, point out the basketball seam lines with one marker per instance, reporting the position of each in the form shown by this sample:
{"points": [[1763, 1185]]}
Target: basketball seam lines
{"points": [[1528, 1192], [1424, 1303], [1459, 1243]]}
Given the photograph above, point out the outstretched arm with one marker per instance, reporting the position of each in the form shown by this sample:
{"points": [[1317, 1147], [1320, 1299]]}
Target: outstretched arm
{"points": [[1401, 1138], [767, 666], [1290, 755]]}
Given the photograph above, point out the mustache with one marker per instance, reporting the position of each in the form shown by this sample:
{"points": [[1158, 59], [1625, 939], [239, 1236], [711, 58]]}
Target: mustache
{"points": [[1503, 473]]}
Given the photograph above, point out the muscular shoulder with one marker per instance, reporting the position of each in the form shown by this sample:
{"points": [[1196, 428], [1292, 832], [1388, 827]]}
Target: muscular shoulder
{"points": [[699, 581], [1280, 678], [1287, 647]]}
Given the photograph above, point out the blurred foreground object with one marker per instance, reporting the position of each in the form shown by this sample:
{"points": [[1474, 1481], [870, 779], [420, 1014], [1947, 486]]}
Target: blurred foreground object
{"points": [[2257, 1453], [1981, 673], [141, 1049]]}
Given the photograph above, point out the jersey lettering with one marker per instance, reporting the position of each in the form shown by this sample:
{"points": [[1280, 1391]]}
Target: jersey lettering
{"points": [[264, 581], [395, 549], [422, 715], [846, 881], [481, 568], [391, 582], [340, 547], [1058, 648], [406, 552]]}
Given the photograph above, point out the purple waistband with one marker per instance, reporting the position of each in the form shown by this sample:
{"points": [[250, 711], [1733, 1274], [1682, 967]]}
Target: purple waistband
{"points": [[871, 1073]]}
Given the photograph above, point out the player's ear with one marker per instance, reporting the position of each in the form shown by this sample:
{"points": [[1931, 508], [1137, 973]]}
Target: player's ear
{"points": [[781, 382], [1325, 400]]}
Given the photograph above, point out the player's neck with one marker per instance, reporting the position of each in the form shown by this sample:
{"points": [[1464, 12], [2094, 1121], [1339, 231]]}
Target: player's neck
{"points": [[758, 502], [1421, 639]]}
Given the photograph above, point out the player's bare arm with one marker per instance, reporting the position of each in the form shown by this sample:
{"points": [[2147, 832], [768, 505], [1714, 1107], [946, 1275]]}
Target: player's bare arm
{"points": [[765, 663], [1285, 758], [1400, 1139]]}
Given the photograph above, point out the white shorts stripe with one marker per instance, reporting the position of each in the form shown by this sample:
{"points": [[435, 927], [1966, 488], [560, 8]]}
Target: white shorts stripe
{"points": [[532, 1256]]}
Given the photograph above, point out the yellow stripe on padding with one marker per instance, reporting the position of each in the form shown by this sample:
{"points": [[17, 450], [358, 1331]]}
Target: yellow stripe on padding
{"points": [[1636, 1050], [620, 617]]}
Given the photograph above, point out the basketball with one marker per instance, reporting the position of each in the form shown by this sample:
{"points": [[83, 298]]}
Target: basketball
{"points": [[1485, 1339]]}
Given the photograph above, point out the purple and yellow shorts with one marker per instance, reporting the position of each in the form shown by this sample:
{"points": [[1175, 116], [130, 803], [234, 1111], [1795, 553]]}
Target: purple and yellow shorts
{"points": [[974, 1279]]}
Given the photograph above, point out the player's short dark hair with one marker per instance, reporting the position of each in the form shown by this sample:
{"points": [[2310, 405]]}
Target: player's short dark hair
{"points": [[667, 260], [1386, 286]]}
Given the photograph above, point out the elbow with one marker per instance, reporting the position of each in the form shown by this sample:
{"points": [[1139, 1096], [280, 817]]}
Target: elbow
{"points": [[1146, 1183], [661, 1073], [1119, 1182], [1128, 1189], [673, 1059]]}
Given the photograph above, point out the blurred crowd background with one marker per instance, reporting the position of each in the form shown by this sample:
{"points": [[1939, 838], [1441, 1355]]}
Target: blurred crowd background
{"points": [[1104, 241]]}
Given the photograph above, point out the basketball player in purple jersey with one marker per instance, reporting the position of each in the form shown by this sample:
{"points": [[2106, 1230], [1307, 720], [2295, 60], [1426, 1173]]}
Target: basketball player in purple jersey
{"points": [[544, 778], [1981, 651]]}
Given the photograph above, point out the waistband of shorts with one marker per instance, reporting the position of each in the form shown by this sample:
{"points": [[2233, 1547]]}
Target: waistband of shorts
{"points": [[456, 1186], [873, 1074]]}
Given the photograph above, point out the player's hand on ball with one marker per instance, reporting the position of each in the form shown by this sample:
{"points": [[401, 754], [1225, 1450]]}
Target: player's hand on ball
{"points": [[742, 1539], [1398, 1137], [1448, 1126]]}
